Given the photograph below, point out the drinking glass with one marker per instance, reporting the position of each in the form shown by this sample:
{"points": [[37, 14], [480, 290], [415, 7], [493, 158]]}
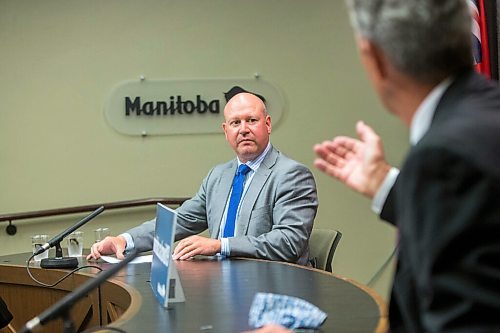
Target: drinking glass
{"points": [[101, 233], [36, 242], [75, 244]]}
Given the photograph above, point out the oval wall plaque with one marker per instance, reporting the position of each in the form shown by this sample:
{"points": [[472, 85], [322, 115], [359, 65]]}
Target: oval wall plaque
{"points": [[168, 107]]}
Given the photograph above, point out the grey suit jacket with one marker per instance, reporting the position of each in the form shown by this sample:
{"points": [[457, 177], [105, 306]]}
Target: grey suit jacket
{"points": [[276, 214]]}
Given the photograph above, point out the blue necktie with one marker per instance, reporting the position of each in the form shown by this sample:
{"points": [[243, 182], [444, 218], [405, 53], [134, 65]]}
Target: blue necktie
{"points": [[234, 201]]}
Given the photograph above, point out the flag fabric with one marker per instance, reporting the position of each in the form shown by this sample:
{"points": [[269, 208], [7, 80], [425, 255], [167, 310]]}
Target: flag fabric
{"points": [[480, 41], [492, 23]]}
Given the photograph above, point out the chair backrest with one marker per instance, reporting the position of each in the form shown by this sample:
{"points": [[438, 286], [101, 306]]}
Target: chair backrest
{"points": [[322, 245]]}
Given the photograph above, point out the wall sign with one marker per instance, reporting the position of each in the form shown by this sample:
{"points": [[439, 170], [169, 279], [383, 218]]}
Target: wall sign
{"points": [[167, 107]]}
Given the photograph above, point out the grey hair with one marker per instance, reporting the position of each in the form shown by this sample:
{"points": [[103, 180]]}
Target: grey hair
{"points": [[426, 39]]}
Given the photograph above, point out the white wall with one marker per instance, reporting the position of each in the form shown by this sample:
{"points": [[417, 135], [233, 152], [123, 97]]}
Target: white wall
{"points": [[60, 59]]}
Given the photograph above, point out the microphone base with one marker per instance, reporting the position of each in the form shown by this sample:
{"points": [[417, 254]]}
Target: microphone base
{"points": [[63, 262]]}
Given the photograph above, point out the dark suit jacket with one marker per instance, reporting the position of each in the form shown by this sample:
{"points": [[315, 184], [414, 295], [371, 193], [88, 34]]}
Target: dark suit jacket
{"points": [[276, 214], [446, 204]]}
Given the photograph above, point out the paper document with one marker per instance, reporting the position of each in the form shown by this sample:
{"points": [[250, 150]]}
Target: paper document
{"points": [[137, 260]]}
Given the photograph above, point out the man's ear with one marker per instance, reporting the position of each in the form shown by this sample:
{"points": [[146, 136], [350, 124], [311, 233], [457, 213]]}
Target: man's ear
{"points": [[374, 58], [224, 129], [269, 124]]}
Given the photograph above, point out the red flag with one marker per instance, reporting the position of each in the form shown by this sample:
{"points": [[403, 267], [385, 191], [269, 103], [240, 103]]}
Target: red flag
{"points": [[480, 38]]}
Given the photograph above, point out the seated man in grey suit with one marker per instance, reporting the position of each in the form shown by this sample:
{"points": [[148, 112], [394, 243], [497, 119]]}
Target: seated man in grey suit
{"points": [[277, 207]]}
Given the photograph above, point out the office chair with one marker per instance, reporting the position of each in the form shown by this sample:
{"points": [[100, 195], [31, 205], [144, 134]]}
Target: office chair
{"points": [[322, 245]]}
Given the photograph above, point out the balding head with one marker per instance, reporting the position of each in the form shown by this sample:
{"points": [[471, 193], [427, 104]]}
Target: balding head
{"points": [[243, 99]]}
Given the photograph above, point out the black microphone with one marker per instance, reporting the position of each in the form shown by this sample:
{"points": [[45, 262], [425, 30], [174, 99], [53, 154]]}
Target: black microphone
{"points": [[59, 261], [57, 239], [62, 307]]}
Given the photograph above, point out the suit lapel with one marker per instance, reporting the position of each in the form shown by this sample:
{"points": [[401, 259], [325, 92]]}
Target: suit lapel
{"points": [[254, 189], [222, 195]]}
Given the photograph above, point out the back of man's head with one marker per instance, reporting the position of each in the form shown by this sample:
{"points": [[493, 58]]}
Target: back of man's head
{"points": [[425, 39]]}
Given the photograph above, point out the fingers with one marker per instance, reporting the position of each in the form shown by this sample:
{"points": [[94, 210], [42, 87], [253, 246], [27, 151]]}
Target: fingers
{"points": [[185, 250], [109, 245], [94, 252], [329, 154], [334, 156], [330, 169], [340, 147], [180, 249], [366, 133], [194, 245]]}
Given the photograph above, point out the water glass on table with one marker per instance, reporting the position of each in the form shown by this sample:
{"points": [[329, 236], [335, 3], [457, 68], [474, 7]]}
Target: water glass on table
{"points": [[75, 244], [100, 234], [36, 242]]}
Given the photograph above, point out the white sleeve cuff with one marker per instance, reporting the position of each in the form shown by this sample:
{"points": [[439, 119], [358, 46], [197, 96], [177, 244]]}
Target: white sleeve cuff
{"points": [[130, 241], [382, 193], [224, 247]]}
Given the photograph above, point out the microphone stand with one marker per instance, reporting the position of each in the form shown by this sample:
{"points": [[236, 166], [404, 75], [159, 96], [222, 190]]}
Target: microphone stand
{"points": [[59, 261]]}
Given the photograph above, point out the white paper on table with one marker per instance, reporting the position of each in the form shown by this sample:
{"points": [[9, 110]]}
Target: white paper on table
{"points": [[137, 260]]}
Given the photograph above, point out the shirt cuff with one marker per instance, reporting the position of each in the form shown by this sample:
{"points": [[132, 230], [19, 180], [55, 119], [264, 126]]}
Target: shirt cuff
{"points": [[382, 193], [224, 247], [130, 241]]}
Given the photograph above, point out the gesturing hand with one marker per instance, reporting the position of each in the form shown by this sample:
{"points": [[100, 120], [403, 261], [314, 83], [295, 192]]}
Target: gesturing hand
{"points": [[360, 164]]}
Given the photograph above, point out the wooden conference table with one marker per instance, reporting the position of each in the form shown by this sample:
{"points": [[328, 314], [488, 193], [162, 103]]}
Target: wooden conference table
{"points": [[218, 296]]}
